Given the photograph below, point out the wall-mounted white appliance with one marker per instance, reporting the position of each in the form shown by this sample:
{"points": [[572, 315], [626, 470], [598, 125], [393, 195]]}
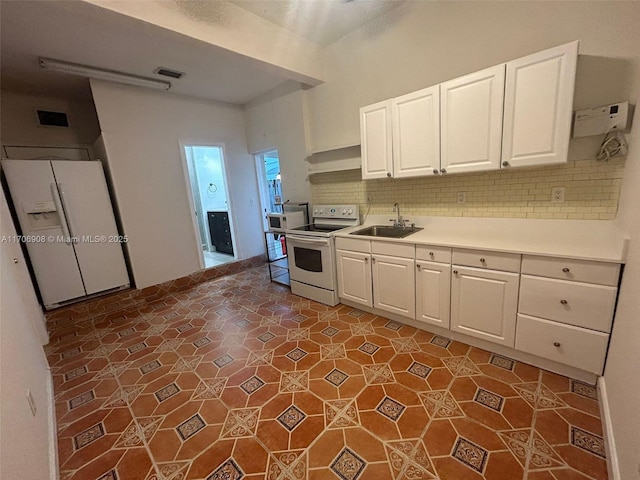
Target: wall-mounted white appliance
{"points": [[602, 120], [68, 225], [281, 222]]}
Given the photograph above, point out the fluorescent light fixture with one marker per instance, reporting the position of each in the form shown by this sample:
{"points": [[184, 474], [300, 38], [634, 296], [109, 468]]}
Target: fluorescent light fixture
{"points": [[102, 74]]}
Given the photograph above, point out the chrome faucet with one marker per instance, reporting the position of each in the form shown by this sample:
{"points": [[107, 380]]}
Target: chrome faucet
{"points": [[399, 221]]}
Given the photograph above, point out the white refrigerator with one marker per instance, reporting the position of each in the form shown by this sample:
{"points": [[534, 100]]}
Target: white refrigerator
{"points": [[68, 225]]}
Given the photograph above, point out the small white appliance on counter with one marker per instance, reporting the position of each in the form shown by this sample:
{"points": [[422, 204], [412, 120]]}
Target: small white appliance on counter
{"points": [[281, 222], [67, 223], [312, 264]]}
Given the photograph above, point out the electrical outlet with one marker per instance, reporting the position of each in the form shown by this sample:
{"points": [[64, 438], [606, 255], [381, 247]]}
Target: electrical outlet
{"points": [[462, 197], [32, 403], [557, 194]]}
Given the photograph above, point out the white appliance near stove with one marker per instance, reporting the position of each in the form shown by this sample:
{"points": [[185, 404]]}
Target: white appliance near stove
{"points": [[312, 263]]}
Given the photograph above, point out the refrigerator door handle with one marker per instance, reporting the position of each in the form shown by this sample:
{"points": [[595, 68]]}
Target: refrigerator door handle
{"points": [[67, 213], [61, 213]]}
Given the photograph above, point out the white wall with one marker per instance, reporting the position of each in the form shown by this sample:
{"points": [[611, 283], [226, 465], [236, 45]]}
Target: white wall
{"points": [[27, 442], [142, 130], [20, 127], [278, 121], [420, 44], [621, 373]]}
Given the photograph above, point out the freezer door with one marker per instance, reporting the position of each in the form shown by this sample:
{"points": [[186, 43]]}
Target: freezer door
{"points": [[54, 261], [85, 198]]}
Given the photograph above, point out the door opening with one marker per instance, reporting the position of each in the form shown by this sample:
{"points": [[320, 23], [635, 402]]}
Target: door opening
{"points": [[268, 168], [207, 179]]}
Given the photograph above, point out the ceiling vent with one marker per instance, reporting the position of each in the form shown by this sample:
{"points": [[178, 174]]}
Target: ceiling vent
{"points": [[166, 72], [48, 118]]}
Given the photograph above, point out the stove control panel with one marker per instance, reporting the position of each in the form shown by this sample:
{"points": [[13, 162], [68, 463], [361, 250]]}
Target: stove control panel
{"points": [[335, 211]]}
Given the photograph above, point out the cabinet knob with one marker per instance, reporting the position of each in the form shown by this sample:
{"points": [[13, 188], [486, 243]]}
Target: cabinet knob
{"points": [[505, 164], [564, 302], [443, 170], [566, 270], [431, 254], [418, 266], [436, 171], [556, 344], [388, 174], [482, 260], [455, 271], [15, 260], [373, 260], [366, 260]]}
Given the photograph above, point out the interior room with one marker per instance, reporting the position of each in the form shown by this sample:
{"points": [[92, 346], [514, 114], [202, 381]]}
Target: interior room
{"points": [[329, 239]]}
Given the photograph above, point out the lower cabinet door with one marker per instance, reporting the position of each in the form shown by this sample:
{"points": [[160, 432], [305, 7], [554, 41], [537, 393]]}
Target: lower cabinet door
{"points": [[579, 347], [354, 277], [394, 284], [433, 293], [484, 304]]}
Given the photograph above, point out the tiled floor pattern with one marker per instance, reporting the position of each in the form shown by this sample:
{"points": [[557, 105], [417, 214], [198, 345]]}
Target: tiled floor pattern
{"points": [[238, 378]]}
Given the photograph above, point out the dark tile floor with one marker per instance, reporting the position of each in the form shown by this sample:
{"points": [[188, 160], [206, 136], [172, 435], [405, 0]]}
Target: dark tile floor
{"points": [[238, 378]]}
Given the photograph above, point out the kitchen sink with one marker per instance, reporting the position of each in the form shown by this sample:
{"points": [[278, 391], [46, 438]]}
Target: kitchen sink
{"points": [[386, 231]]}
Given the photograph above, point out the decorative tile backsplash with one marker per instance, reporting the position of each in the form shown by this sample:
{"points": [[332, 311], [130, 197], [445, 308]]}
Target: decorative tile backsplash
{"points": [[592, 191]]}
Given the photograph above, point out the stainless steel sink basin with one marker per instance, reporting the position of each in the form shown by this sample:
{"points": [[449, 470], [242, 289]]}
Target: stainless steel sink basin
{"points": [[386, 231]]}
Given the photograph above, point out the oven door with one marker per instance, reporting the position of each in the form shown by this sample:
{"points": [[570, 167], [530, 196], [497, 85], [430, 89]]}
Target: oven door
{"points": [[311, 260]]}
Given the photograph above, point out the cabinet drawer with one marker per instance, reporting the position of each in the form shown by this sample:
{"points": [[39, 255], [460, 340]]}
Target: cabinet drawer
{"points": [[578, 270], [580, 304], [508, 262], [403, 250], [353, 244], [578, 347], [431, 253]]}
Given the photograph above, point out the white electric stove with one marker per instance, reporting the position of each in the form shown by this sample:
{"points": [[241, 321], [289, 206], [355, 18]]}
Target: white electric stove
{"points": [[312, 264]]}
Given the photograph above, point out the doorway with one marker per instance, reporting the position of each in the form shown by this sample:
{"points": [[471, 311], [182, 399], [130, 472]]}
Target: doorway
{"points": [[208, 184], [270, 186]]}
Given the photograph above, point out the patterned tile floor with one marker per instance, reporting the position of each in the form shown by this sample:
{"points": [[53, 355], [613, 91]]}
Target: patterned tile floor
{"points": [[238, 378]]}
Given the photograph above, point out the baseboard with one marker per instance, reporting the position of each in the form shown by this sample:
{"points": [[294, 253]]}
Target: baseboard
{"points": [[53, 430], [612, 454]]}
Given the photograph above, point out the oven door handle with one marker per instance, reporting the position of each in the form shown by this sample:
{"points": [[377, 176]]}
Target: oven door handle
{"points": [[311, 241]]}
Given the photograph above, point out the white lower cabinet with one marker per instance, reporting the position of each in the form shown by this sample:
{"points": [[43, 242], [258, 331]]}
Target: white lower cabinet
{"points": [[354, 277], [484, 304], [553, 308], [433, 293], [394, 284], [574, 346]]}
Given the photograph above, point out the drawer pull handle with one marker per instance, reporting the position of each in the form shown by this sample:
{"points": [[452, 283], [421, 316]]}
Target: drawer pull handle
{"points": [[556, 344], [482, 260], [455, 271], [566, 270], [564, 302]]}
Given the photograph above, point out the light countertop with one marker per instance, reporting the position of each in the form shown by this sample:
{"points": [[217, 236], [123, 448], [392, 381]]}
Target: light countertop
{"points": [[579, 239]]}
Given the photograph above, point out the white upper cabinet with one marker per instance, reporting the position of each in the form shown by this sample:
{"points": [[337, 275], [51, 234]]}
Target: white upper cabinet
{"points": [[538, 107], [375, 133], [471, 121], [416, 133]]}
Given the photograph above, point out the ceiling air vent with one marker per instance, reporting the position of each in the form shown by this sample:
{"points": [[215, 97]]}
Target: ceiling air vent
{"points": [[168, 72], [47, 118]]}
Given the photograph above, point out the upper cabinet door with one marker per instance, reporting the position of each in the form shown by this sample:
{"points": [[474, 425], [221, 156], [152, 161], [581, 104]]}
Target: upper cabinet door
{"points": [[471, 116], [538, 107], [375, 133], [416, 133]]}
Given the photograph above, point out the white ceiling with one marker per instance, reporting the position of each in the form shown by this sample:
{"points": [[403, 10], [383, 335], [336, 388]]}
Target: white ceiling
{"points": [[82, 33], [321, 21]]}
